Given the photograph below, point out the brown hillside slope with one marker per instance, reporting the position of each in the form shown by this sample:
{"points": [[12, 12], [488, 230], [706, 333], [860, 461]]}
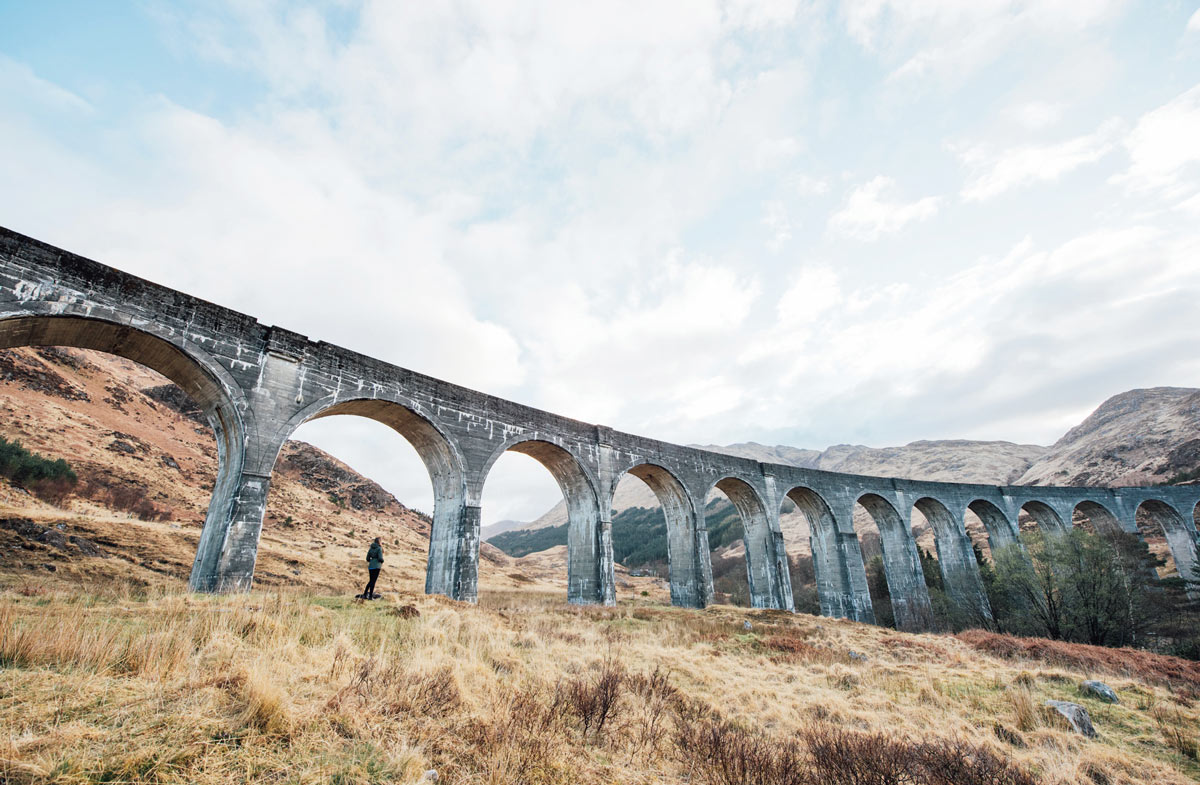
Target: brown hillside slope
{"points": [[1140, 437]]}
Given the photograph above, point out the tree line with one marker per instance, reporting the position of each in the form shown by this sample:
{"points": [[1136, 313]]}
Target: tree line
{"points": [[1100, 588]]}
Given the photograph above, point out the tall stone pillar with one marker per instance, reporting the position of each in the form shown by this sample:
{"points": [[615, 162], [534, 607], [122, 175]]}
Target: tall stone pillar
{"points": [[857, 595], [228, 547], [453, 566], [608, 578], [906, 580], [960, 571]]}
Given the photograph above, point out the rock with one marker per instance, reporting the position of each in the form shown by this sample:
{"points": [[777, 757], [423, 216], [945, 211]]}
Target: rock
{"points": [[1099, 690], [430, 775], [746, 625], [54, 538], [87, 547], [1076, 715], [50, 568], [857, 657]]}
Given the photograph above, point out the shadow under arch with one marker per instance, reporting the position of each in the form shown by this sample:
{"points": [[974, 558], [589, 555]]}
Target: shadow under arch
{"points": [[766, 562], [911, 607], [589, 549], [1102, 519], [956, 560], [1000, 530], [690, 588], [1181, 539], [1048, 521], [189, 367], [445, 466]]}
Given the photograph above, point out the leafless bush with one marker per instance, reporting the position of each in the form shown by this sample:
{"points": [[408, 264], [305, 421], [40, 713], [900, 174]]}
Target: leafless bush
{"points": [[427, 694], [594, 702], [843, 757], [522, 740], [722, 753], [127, 498]]}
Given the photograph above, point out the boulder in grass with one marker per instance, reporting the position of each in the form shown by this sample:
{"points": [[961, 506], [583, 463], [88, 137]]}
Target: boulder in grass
{"points": [[1075, 715], [1099, 690]]}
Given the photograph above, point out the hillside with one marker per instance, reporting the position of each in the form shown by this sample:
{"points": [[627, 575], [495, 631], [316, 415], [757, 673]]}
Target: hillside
{"points": [[1140, 437], [138, 443], [293, 687]]}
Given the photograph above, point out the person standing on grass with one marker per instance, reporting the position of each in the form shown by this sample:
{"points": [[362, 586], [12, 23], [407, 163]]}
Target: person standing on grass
{"points": [[374, 565]]}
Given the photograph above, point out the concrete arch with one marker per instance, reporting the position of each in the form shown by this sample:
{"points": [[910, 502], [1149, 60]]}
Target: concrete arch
{"points": [[766, 559], [1048, 521], [902, 565], [687, 557], [587, 581], [956, 559], [452, 564], [1001, 531], [1181, 538], [1102, 519], [205, 381], [827, 556]]}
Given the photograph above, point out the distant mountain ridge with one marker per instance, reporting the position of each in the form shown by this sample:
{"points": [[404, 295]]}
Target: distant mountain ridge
{"points": [[1138, 437]]}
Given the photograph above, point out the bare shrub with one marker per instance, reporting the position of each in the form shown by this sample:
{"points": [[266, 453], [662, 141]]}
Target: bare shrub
{"points": [[427, 694], [595, 701], [521, 740], [722, 753], [843, 757], [126, 498], [956, 762]]}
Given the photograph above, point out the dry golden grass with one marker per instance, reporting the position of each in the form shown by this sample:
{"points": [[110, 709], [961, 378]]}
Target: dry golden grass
{"points": [[171, 687]]}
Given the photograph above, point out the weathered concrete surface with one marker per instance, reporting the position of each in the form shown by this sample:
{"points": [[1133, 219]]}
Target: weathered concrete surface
{"points": [[257, 384]]}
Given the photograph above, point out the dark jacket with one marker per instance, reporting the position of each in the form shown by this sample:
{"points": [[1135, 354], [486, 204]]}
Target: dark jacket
{"points": [[375, 556]]}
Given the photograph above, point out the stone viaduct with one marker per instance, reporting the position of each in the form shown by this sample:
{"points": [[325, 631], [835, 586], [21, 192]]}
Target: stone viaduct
{"points": [[258, 384]]}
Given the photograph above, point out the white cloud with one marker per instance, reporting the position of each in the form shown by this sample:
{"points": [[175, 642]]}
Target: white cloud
{"points": [[1038, 115], [1162, 146], [951, 40], [1193, 24], [869, 211], [775, 219], [997, 172]]}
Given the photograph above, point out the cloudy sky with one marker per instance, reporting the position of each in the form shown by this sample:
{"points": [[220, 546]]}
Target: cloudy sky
{"points": [[802, 223]]}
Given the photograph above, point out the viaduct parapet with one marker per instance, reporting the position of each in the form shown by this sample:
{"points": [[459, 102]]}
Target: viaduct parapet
{"points": [[257, 384]]}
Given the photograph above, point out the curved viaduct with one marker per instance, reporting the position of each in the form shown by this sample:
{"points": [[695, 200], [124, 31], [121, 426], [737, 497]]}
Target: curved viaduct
{"points": [[258, 384]]}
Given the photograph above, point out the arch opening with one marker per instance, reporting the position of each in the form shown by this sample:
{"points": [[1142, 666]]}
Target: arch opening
{"points": [[966, 602], [588, 553], [655, 536], [1167, 535], [392, 485], [1095, 518], [1000, 531], [902, 601], [200, 379], [759, 546], [802, 511], [1039, 515]]}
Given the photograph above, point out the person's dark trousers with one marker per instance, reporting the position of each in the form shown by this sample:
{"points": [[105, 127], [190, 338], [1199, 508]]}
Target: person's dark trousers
{"points": [[369, 592]]}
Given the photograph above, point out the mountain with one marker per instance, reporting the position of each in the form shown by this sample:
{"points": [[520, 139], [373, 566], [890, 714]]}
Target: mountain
{"points": [[499, 527], [1140, 437]]}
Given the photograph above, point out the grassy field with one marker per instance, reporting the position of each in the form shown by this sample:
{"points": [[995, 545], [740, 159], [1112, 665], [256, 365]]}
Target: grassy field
{"points": [[117, 686]]}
